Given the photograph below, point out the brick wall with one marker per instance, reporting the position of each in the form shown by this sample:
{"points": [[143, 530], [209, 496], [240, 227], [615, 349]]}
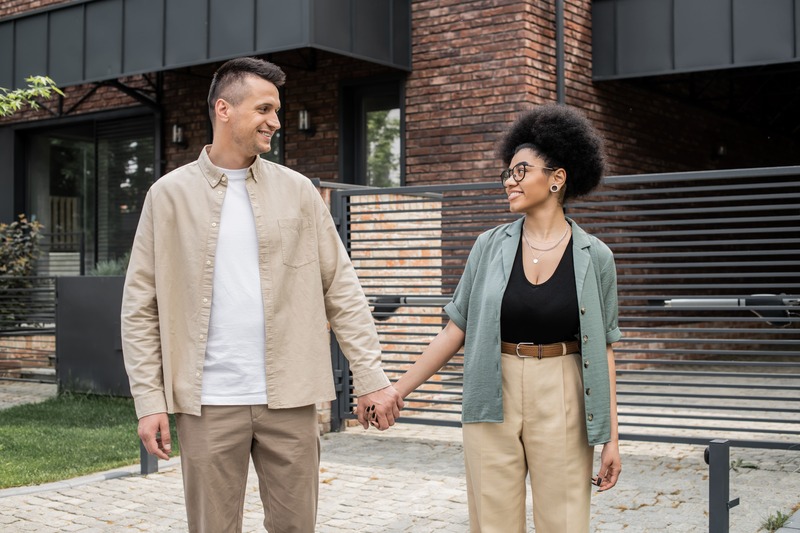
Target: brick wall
{"points": [[477, 64], [14, 7]]}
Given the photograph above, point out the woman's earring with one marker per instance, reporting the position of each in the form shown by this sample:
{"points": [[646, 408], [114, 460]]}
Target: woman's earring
{"points": [[554, 188]]}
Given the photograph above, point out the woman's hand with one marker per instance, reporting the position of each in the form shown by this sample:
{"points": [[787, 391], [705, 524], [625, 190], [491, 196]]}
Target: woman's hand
{"points": [[610, 466]]}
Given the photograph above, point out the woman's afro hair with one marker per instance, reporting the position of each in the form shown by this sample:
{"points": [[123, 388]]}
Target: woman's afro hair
{"points": [[564, 138]]}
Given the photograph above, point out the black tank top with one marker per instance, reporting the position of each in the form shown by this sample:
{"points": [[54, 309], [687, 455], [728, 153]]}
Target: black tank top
{"points": [[543, 313]]}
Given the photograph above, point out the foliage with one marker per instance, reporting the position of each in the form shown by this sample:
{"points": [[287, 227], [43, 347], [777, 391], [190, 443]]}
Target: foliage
{"points": [[112, 267], [38, 87], [775, 521], [383, 131], [19, 247], [740, 463], [71, 435], [19, 250]]}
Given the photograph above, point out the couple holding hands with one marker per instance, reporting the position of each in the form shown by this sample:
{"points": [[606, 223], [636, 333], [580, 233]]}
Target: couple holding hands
{"points": [[237, 344]]}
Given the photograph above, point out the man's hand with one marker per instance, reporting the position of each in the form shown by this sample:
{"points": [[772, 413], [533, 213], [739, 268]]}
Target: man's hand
{"points": [[379, 408], [154, 432]]}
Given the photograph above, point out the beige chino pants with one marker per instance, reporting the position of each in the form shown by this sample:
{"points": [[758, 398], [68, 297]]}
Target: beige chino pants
{"points": [[544, 434], [215, 457]]}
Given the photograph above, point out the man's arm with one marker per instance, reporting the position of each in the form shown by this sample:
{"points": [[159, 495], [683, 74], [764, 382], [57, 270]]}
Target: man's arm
{"points": [[141, 339], [348, 311]]}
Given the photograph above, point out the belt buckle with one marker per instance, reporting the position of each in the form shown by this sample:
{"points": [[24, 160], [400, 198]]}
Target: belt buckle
{"points": [[516, 348]]}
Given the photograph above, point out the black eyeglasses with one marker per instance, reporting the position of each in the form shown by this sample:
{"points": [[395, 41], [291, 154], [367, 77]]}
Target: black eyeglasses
{"points": [[518, 172]]}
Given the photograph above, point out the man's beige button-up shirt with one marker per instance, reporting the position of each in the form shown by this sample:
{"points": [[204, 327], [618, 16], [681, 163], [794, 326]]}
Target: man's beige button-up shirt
{"points": [[307, 282]]}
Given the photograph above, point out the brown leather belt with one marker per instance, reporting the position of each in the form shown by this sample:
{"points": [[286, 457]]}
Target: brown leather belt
{"points": [[528, 349]]}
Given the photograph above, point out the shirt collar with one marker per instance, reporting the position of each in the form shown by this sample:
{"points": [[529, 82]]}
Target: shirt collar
{"points": [[214, 175]]}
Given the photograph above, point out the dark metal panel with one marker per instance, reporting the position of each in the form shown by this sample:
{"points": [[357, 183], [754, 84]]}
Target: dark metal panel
{"points": [[7, 55], [604, 33], [103, 40], [114, 38], [143, 48], [281, 24], [6, 173], [401, 32], [186, 32], [231, 27], [371, 20], [332, 23], [66, 45], [702, 33], [30, 48], [797, 28], [91, 364], [650, 37], [763, 35], [644, 36]]}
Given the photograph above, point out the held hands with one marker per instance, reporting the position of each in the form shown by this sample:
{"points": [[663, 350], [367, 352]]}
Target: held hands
{"points": [[379, 408], [610, 467], [154, 432]]}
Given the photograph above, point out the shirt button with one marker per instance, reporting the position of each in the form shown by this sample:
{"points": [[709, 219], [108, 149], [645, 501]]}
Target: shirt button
{"points": [[585, 363], [219, 193], [590, 417], [208, 262], [224, 178], [198, 375], [203, 336], [205, 301], [583, 310], [213, 224], [585, 338], [588, 392]]}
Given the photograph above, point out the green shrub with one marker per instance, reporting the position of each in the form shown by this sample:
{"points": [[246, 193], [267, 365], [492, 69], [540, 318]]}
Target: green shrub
{"points": [[112, 267], [19, 250]]}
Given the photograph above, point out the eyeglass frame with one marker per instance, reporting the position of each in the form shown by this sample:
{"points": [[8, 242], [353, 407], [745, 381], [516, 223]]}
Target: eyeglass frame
{"points": [[510, 172]]}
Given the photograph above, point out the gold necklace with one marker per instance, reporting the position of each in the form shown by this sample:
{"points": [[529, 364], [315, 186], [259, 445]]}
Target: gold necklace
{"points": [[542, 251]]}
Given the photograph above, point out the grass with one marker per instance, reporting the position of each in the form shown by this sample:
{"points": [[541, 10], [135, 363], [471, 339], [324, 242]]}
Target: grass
{"points": [[68, 436], [775, 521]]}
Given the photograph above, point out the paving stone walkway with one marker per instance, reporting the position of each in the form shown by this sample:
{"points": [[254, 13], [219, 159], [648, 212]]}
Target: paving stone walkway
{"points": [[411, 479]]}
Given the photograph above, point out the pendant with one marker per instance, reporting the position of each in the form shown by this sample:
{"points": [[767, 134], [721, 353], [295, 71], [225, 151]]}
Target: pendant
{"points": [[535, 260]]}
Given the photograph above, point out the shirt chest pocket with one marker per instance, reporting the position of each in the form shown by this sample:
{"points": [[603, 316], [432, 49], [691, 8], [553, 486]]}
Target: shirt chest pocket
{"points": [[298, 241]]}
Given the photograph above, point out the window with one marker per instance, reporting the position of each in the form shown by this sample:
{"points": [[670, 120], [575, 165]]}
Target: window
{"points": [[372, 135], [86, 183]]}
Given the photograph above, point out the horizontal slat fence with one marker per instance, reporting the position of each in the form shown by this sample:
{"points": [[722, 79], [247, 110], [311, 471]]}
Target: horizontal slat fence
{"points": [[27, 328], [708, 269]]}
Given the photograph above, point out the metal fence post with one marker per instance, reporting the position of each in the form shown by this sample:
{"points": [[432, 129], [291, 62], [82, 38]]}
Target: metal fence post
{"points": [[717, 456], [147, 461]]}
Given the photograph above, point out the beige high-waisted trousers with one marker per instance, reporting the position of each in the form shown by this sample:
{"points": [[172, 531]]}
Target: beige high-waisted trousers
{"points": [[544, 433]]}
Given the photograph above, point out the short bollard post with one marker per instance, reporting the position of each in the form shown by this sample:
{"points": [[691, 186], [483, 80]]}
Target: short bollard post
{"points": [[148, 461], [717, 456]]}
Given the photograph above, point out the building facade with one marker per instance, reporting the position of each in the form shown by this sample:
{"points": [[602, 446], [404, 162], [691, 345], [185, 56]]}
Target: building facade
{"points": [[395, 92]]}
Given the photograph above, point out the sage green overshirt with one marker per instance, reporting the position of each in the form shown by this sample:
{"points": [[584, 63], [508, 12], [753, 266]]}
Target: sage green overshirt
{"points": [[475, 308]]}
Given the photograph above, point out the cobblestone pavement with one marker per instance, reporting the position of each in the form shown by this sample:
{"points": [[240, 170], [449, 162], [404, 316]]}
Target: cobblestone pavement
{"points": [[411, 479]]}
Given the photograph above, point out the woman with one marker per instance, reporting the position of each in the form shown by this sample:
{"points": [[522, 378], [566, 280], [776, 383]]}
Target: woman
{"points": [[536, 311]]}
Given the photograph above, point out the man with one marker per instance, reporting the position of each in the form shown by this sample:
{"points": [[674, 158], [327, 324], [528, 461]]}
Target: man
{"points": [[236, 271]]}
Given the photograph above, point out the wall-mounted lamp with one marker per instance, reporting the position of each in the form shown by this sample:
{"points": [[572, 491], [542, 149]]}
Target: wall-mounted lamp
{"points": [[177, 135], [304, 122]]}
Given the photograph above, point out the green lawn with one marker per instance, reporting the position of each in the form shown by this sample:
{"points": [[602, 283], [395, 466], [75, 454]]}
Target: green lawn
{"points": [[68, 436]]}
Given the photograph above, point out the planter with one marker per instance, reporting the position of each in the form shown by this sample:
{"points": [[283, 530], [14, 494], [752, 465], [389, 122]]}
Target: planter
{"points": [[88, 342]]}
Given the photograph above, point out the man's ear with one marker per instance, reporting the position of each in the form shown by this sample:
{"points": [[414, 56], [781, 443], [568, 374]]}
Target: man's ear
{"points": [[222, 110]]}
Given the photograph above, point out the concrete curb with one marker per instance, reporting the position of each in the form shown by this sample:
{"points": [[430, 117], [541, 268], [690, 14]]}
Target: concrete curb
{"points": [[55, 486], [792, 526]]}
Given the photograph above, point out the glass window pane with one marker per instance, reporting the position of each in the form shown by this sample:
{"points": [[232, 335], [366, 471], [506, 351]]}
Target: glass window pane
{"points": [[383, 147]]}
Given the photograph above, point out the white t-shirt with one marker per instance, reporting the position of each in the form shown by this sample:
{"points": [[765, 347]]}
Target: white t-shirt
{"points": [[234, 372]]}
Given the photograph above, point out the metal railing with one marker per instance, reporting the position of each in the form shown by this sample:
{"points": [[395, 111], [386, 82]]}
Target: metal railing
{"points": [[709, 287]]}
